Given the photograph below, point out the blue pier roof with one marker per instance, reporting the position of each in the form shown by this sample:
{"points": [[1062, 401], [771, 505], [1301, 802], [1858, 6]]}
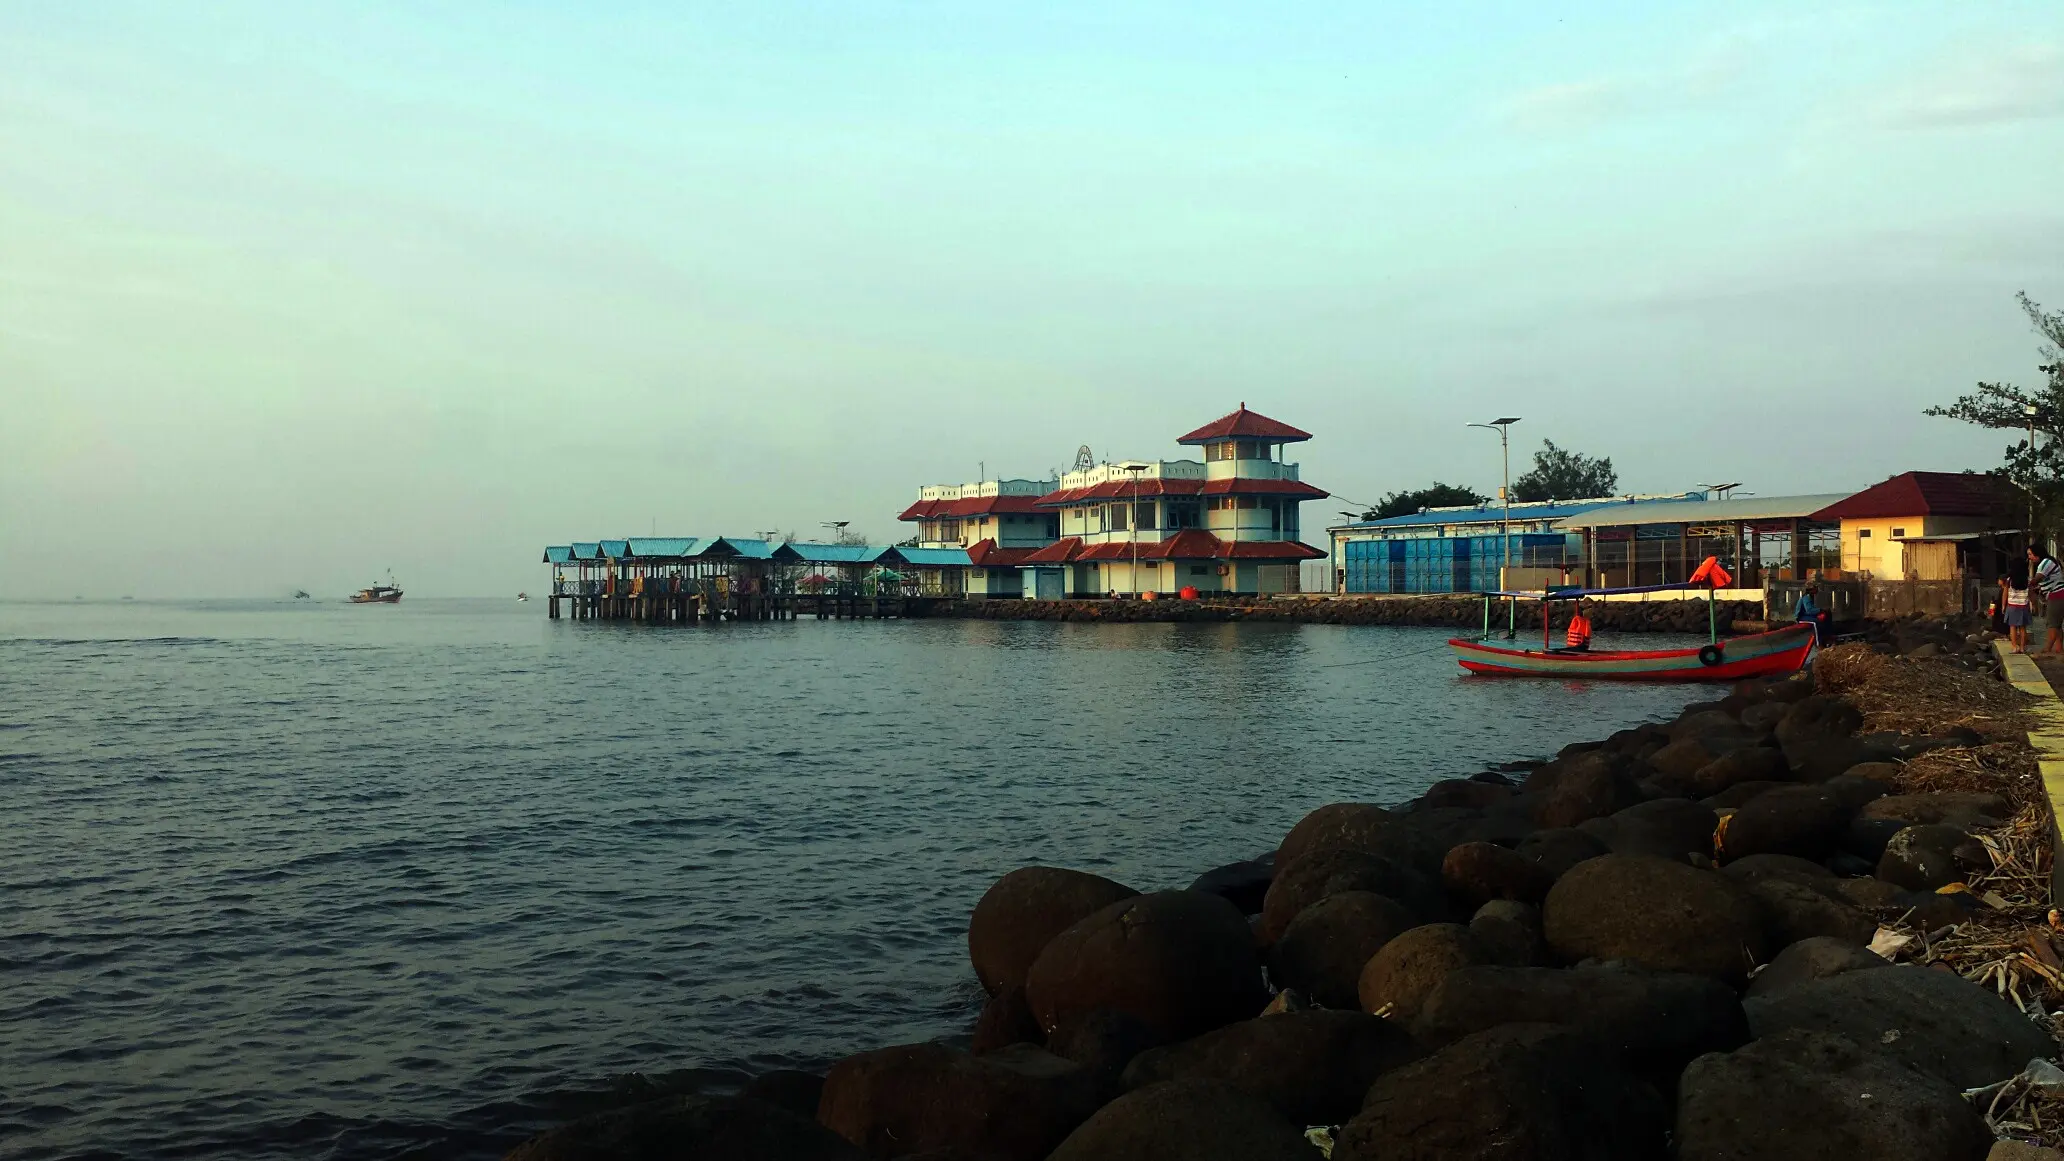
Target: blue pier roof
{"points": [[828, 553], [558, 554], [672, 546], [615, 549], [586, 550], [751, 548], [928, 557]]}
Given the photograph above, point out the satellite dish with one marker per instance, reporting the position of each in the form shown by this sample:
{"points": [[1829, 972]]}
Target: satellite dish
{"points": [[1084, 458]]}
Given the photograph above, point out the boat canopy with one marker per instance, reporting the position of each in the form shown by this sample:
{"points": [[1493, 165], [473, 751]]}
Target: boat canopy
{"points": [[1708, 576]]}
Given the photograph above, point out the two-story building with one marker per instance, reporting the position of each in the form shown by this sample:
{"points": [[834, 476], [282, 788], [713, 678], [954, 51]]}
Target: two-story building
{"points": [[998, 522], [1226, 524]]}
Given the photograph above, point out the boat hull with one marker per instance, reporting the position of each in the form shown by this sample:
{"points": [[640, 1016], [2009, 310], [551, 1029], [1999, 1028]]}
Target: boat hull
{"points": [[376, 598], [1774, 654]]}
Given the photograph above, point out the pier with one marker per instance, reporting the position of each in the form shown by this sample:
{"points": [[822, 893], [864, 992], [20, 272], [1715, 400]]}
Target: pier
{"points": [[689, 580]]}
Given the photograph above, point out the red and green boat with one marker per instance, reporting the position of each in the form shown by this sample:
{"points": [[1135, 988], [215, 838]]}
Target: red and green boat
{"points": [[1773, 654]]}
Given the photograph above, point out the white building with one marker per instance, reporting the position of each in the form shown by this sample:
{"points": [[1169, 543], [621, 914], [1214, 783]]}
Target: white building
{"points": [[998, 522]]}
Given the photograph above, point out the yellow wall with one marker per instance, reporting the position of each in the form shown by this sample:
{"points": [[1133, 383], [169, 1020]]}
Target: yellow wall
{"points": [[1880, 553]]}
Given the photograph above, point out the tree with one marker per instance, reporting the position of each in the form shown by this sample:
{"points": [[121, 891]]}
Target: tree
{"points": [[2036, 468], [1565, 475], [1438, 496]]}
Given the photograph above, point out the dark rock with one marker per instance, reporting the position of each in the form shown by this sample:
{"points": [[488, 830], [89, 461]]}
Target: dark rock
{"points": [[1813, 1096], [1866, 838], [1797, 911], [1307, 880], [1398, 978], [707, 1128], [1659, 914], [1929, 911], [1477, 873], [1560, 849], [1006, 1019], [1954, 809], [1886, 773], [1667, 828], [1927, 858], [1323, 950], [1178, 961], [1746, 764], [1741, 794], [1656, 1021], [1752, 868], [1806, 821], [1936, 1021], [1185, 1121], [1849, 866], [1510, 932], [789, 1088], [1789, 691], [1870, 894], [1854, 793], [1104, 1042], [1591, 785], [1685, 757], [1763, 716], [1016, 1103], [1632, 740], [1313, 1067], [1358, 826], [1466, 793], [1522, 1092], [1244, 885], [1819, 715], [1697, 721], [1025, 909], [1813, 958]]}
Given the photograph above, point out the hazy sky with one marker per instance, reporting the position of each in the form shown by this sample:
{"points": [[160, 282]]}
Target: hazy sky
{"points": [[291, 294]]}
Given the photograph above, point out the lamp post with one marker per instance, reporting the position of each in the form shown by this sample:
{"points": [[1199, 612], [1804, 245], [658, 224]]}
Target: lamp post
{"points": [[2028, 409], [1132, 523], [1504, 429]]}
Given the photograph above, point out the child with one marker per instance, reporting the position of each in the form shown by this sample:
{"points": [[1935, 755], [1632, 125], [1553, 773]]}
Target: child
{"points": [[2016, 603]]}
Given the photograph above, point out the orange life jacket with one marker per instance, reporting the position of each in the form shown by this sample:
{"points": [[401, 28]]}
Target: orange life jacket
{"points": [[1579, 632]]}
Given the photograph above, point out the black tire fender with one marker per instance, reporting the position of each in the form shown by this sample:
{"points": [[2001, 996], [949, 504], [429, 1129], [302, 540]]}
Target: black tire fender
{"points": [[1710, 655]]}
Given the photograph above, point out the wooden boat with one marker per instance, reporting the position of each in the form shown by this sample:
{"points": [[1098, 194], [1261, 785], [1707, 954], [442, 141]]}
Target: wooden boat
{"points": [[1772, 654], [377, 595]]}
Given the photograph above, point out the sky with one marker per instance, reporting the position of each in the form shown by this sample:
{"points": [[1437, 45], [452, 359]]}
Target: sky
{"points": [[292, 295]]}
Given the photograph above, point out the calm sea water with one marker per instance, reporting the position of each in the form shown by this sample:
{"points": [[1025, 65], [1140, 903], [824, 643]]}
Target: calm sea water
{"points": [[310, 880]]}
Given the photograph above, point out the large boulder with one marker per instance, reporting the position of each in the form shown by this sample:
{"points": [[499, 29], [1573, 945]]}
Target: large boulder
{"points": [[1014, 1104], [1937, 1021], [1509, 932], [1806, 821], [708, 1128], [1312, 1066], [1467, 793], [1683, 758], [1657, 1021], [1814, 958], [1024, 909], [1742, 764], [1755, 868], [1244, 885], [1397, 979], [1185, 1120], [1521, 1092], [1358, 826], [1104, 1042], [1179, 962], [1797, 911], [1929, 858], [1659, 914], [1307, 880], [1559, 849], [1323, 950], [1953, 808], [1590, 785], [1816, 1096], [1476, 873], [790, 1088], [1668, 828], [1006, 1019]]}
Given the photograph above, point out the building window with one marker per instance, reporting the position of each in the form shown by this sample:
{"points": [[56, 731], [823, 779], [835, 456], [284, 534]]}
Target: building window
{"points": [[1143, 514], [1863, 534], [1200, 570], [1117, 518], [1898, 532], [1150, 564]]}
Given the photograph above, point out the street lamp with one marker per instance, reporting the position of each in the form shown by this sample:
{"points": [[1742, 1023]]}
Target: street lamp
{"points": [[2028, 409], [1504, 429], [1132, 524]]}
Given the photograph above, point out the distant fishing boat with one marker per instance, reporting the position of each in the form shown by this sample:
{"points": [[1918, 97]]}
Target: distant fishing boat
{"points": [[377, 595], [522, 596], [300, 594]]}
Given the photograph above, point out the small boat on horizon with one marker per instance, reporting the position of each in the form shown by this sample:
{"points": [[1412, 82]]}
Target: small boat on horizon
{"points": [[377, 595], [522, 596]]}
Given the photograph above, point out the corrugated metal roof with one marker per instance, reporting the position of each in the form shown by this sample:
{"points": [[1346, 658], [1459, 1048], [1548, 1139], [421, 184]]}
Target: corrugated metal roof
{"points": [[558, 554], [615, 549], [1705, 511], [586, 550], [1492, 513], [931, 557], [828, 553], [663, 545], [751, 548]]}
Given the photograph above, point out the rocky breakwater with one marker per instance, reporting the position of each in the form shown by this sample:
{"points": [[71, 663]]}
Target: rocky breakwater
{"points": [[1460, 612], [1711, 939]]}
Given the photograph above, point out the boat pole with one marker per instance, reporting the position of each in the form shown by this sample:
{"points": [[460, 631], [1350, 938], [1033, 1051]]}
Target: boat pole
{"points": [[1486, 618], [1712, 615]]}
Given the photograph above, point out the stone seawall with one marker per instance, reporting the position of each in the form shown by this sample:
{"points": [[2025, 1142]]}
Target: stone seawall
{"points": [[1687, 616]]}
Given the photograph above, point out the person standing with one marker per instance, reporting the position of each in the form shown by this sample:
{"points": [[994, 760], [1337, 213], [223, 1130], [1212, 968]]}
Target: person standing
{"points": [[2049, 583], [2016, 602]]}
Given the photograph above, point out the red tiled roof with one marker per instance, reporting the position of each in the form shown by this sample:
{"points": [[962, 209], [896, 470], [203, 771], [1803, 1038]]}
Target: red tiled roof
{"points": [[1121, 490], [1189, 544], [1922, 494], [985, 553], [1245, 487], [972, 506], [1245, 424]]}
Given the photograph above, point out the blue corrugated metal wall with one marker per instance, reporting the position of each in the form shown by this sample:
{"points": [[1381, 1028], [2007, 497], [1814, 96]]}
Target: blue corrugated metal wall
{"points": [[1443, 564]]}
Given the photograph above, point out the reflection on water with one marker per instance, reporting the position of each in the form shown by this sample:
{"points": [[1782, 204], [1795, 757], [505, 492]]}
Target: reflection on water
{"points": [[314, 880]]}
